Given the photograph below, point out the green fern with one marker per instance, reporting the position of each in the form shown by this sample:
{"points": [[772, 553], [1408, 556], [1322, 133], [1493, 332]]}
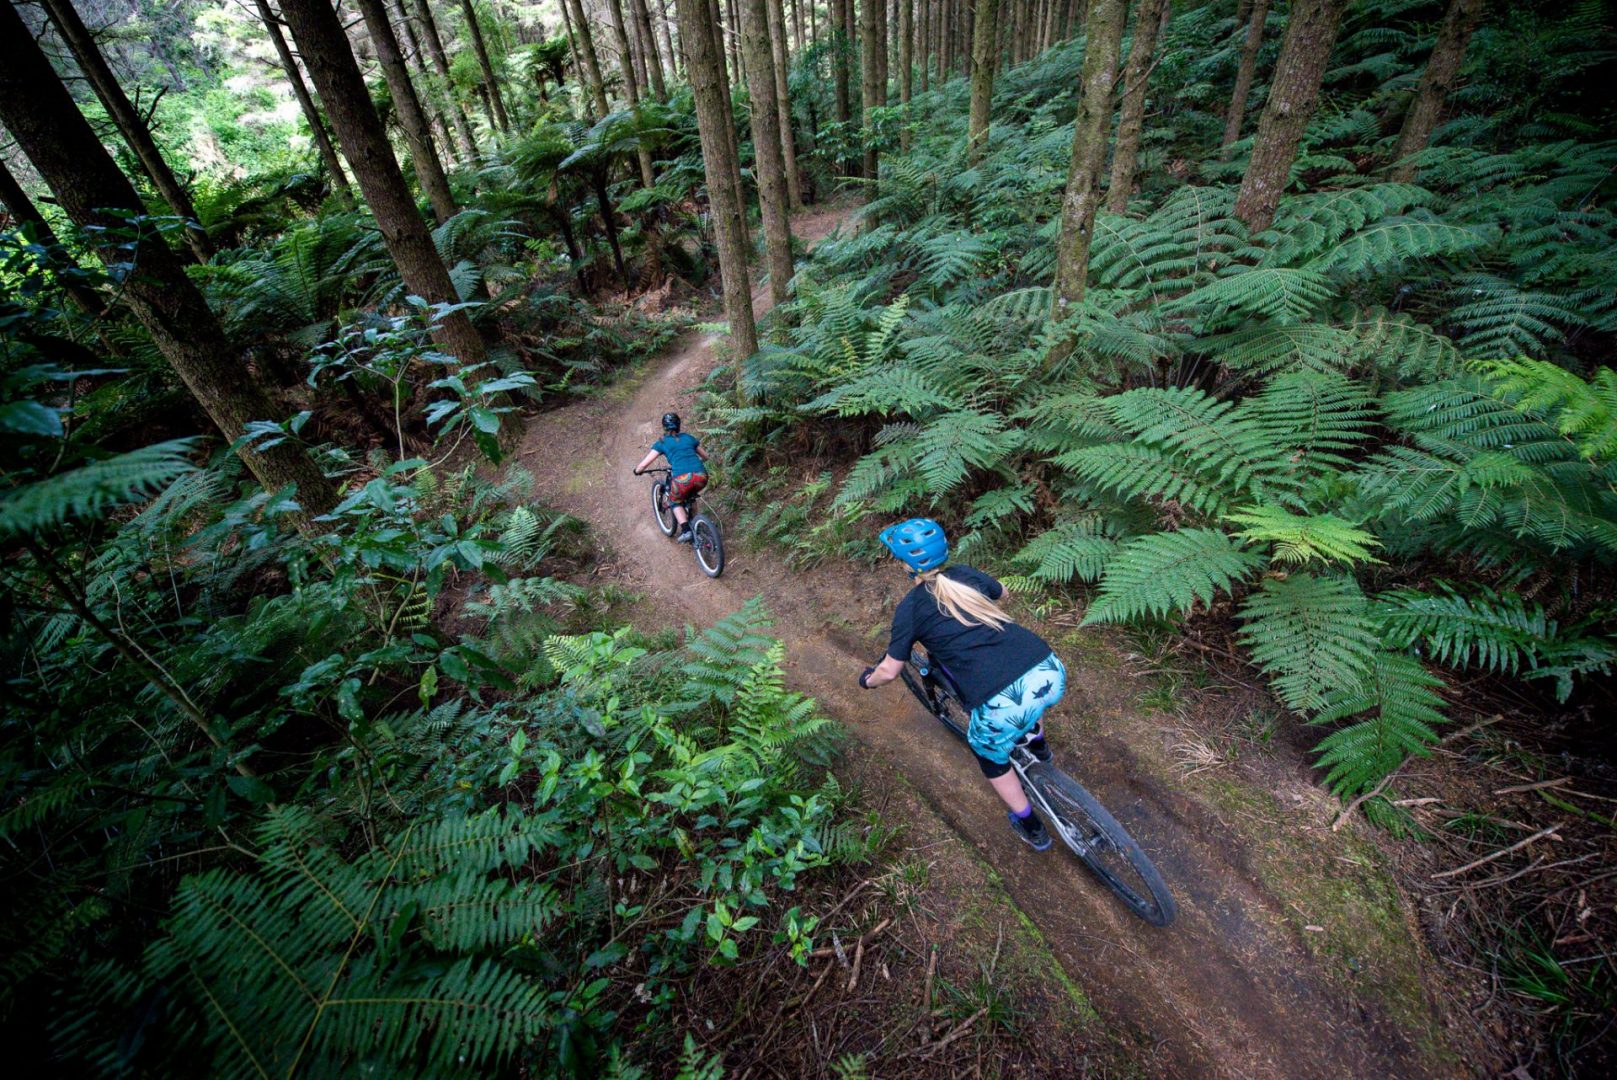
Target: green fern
{"points": [[1313, 635], [1154, 575], [91, 490], [1300, 538], [1407, 708]]}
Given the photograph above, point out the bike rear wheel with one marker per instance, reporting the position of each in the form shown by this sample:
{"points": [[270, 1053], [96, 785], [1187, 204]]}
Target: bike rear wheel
{"points": [[1089, 829], [663, 512], [708, 545]]}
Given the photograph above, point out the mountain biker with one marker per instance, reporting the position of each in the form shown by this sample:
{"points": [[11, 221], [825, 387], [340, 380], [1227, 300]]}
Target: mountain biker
{"points": [[1006, 674], [688, 474]]}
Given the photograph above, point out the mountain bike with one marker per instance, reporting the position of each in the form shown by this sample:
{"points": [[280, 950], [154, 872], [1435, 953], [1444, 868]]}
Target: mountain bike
{"points": [[706, 541], [1076, 816]]}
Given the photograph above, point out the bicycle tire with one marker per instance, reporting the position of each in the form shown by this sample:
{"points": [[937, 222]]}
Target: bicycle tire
{"points": [[708, 545], [936, 699], [660, 508], [1107, 843]]}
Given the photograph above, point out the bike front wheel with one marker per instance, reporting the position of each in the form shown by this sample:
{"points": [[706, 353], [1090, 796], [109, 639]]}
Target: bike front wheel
{"points": [[708, 545], [663, 512], [1089, 829]]}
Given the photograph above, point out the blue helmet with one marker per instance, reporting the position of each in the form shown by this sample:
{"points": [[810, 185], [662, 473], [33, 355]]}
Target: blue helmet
{"points": [[918, 543]]}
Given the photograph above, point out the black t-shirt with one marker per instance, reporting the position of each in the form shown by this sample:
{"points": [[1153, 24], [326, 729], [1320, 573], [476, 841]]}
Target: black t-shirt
{"points": [[983, 661]]}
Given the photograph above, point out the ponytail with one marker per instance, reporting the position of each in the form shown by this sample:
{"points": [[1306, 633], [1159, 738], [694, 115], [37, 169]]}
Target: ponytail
{"points": [[963, 603]]}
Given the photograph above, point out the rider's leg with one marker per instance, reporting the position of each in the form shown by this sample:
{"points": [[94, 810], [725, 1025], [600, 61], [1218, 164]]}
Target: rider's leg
{"points": [[680, 516], [1009, 788]]}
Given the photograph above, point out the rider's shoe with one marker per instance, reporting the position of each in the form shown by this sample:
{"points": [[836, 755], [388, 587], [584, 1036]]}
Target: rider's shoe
{"points": [[1031, 830], [684, 536], [1038, 747]]}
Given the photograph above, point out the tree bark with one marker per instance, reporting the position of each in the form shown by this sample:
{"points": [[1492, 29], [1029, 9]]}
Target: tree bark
{"points": [[984, 52], [440, 64], [668, 40], [1082, 197], [870, 16], [906, 64], [705, 67], [839, 61], [926, 45], [311, 114], [732, 33], [578, 63], [774, 197], [130, 123], [331, 65], [22, 210], [493, 84], [1243, 79], [1459, 22], [654, 60], [1131, 119], [783, 106], [631, 86], [1305, 52], [417, 135], [37, 109], [797, 22], [586, 53]]}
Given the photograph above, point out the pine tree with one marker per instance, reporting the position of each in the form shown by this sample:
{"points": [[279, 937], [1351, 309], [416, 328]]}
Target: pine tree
{"points": [[585, 40], [496, 99], [984, 55], [783, 104], [774, 200], [37, 109], [440, 64], [1131, 119], [631, 86], [1304, 53], [311, 114], [870, 20], [429, 169], [1243, 78], [1082, 197], [654, 59], [1459, 22]]}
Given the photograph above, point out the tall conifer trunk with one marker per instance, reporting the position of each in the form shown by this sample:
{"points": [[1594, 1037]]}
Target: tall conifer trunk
{"points": [[984, 54], [1082, 197], [1459, 22], [840, 45], [774, 198], [428, 169], [705, 66], [870, 16], [783, 106], [440, 64], [38, 111], [631, 85], [496, 99], [586, 53], [1131, 119], [311, 115], [331, 65], [1243, 79], [906, 63], [131, 125], [654, 59], [1305, 52]]}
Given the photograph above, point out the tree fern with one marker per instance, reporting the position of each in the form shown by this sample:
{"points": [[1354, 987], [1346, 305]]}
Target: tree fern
{"points": [[1404, 698], [91, 490], [1586, 412], [1313, 635], [1304, 538], [1165, 572]]}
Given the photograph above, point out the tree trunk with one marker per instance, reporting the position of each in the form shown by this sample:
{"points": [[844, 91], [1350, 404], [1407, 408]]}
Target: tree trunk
{"points": [[131, 125], [1459, 22], [428, 169], [1131, 120], [705, 66], [654, 60], [870, 16], [906, 64], [630, 86], [440, 64], [331, 65], [668, 40], [1243, 79], [493, 84], [780, 61], [23, 211], [797, 22], [311, 115], [738, 63], [774, 197], [926, 45], [586, 53], [1082, 197], [839, 61], [37, 109], [983, 55], [1305, 52], [578, 63]]}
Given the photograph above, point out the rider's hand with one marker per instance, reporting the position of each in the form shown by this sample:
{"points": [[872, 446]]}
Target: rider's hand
{"points": [[864, 676]]}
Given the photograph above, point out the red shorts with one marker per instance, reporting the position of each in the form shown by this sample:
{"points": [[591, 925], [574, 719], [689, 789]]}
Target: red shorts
{"points": [[682, 487]]}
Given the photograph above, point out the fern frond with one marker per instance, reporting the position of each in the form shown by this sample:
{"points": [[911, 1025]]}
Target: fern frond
{"points": [[1302, 538], [1154, 575], [1407, 708], [1313, 635]]}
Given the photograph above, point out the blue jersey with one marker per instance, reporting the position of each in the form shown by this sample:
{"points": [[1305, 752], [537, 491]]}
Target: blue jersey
{"points": [[680, 450]]}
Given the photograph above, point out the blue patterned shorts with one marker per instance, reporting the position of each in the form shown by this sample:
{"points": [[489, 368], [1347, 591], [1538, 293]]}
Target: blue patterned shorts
{"points": [[999, 722]]}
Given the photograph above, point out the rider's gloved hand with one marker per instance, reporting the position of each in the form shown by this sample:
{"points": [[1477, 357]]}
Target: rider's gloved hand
{"points": [[864, 677]]}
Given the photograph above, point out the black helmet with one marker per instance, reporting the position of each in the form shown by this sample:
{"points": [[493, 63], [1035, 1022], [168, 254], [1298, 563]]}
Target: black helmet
{"points": [[671, 422]]}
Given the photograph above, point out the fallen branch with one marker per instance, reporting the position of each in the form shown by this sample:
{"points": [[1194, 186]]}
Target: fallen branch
{"points": [[1542, 784], [954, 1032], [1500, 854], [1347, 811]]}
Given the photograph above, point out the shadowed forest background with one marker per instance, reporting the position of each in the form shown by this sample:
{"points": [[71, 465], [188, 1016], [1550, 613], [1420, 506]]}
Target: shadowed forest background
{"points": [[1263, 349]]}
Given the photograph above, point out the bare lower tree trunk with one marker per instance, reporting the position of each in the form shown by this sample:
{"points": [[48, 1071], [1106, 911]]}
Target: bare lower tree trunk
{"points": [[1131, 119], [428, 169], [1082, 197], [774, 198], [311, 115], [1243, 79], [1459, 22], [870, 16], [440, 64], [783, 105], [668, 40], [797, 22], [926, 44], [1305, 52], [984, 52], [493, 84], [840, 45], [578, 63], [630, 86], [906, 63], [705, 66], [654, 60], [331, 65], [131, 125], [40, 114], [586, 53]]}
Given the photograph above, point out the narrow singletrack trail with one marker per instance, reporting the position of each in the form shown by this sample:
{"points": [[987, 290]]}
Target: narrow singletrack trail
{"points": [[1229, 990]]}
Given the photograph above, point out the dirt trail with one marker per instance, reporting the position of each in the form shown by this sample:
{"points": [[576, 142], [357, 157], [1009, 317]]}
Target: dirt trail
{"points": [[1228, 991]]}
